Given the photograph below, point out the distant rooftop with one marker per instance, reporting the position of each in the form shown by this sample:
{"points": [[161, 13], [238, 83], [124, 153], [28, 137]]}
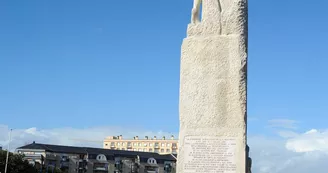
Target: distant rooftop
{"points": [[120, 137]]}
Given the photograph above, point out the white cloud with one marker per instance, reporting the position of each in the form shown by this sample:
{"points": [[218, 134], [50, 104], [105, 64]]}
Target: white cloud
{"points": [[293, 153], [287, 134], [310, 141], [283, 123]]}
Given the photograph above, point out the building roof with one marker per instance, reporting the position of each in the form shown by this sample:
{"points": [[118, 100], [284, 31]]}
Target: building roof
{"points": [[90, 150], [55, 148]]}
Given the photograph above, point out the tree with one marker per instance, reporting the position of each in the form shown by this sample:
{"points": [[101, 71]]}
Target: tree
{"points": [[16, 163]]}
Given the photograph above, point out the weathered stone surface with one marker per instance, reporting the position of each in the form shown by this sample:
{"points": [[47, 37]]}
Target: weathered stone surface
{"points": [[213, 90]]}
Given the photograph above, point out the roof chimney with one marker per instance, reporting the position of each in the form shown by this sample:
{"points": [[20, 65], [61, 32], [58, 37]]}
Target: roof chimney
{"points": [[172, 137], [137, 137], [146, 137], [33, 142], [163, 138], [155, 137]]}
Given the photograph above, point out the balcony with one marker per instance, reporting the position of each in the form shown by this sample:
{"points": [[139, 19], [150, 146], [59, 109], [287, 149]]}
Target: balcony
{"points": [[103, 167], [100, 169], [32, 155]]}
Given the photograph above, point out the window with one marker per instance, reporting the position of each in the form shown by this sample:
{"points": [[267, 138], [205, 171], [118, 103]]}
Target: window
{"points": [[168, 144], [163, 144], [134, 149], [106, 144], [167, 150], [151, 161], [140, 149], [123, 148], [118, 144], [145, 144], [144, 149], [150, 144], [112, 144], [150, 150], [162, 150], [123, 143], [139, 144], [134, 144]]}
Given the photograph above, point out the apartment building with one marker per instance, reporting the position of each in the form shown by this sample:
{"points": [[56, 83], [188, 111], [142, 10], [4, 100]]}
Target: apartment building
{"points": [[160, 146], [72, 159]]}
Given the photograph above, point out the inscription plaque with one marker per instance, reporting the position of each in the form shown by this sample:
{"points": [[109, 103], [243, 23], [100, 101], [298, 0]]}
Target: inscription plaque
{"points": [[207, 154]]}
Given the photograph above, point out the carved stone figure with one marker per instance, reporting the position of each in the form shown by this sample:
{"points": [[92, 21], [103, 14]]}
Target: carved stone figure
{"points": [[212, 7], [195, 11], [218, 17]]}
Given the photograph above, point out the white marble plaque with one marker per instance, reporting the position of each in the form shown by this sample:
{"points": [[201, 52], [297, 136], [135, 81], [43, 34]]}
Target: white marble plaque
{"points": [[205, 154]]}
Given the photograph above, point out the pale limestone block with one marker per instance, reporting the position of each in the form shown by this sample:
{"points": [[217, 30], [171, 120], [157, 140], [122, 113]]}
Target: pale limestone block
{"points": [[213, 78]]}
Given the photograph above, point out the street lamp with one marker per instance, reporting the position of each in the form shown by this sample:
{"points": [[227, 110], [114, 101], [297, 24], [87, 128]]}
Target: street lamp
{"points": [[8, 151]]}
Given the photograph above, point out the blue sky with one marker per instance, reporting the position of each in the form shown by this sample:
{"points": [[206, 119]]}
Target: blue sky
{"points": [[118, 62], [85, 64]]}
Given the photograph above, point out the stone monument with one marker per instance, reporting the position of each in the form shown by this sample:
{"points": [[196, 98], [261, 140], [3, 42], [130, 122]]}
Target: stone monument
{"points": [[213, 77]]}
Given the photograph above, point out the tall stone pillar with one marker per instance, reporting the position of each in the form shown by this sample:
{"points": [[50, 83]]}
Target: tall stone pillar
{"points": [[213, 75]]}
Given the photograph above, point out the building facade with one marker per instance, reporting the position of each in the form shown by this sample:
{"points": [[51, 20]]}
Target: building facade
{"points": [[72, 159], [160, 146]]}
